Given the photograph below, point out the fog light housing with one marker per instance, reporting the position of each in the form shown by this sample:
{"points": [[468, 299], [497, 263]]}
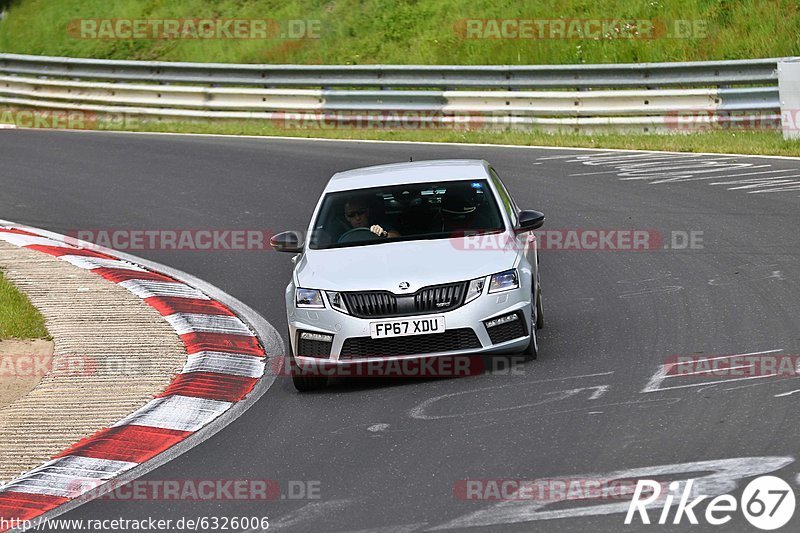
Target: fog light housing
{"points": [[313, 344], [505, 319], [506, 328]]}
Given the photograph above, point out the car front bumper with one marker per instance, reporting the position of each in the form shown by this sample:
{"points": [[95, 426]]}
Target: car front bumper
{"points": [[469, 316]]}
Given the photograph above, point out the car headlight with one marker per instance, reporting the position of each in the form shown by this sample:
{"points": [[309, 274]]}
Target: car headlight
{"points": [[475, 289], [308, 298], [337, 301], [504, 281]]}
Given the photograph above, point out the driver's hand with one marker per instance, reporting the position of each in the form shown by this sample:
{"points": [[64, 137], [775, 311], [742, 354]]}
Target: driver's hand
{"points": [[379, 231]]}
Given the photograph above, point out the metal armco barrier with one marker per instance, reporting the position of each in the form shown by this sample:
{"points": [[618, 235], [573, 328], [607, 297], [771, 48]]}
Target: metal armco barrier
{"points": [[648, 97]]}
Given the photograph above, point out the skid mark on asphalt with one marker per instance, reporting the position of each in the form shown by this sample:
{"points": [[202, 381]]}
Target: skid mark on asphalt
{"points": [[656, 169], [402, 528], [647, 292]]}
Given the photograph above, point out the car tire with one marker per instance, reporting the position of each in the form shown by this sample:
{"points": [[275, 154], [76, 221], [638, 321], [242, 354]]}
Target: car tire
{"points": [[539, 308], [531, 351], [308, 383]]}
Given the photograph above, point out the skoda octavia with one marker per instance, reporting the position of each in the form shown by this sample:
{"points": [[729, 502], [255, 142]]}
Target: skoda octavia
{"points": [[412, 260]]}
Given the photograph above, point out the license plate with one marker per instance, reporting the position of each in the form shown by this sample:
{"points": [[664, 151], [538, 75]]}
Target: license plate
{"points": [[414, 326]]}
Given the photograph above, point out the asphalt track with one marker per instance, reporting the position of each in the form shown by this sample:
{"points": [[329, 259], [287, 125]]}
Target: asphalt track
{"points": [[387, 453]]}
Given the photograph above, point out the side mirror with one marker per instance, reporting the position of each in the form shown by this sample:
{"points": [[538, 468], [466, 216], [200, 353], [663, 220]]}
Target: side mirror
{"points": [[529, 220], [288, 241]]}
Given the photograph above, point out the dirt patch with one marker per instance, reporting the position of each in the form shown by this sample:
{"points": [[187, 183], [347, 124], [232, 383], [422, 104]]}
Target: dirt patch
{"points": [[23, 364], [112, 354]]}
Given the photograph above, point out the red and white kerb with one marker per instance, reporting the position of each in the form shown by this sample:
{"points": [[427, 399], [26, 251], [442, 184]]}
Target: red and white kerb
{"points": [[225, 361]]}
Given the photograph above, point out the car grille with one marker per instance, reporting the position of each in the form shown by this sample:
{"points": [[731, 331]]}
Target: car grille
{"points": [[371, 304], [382, 304], [313, 348], [508, 331], [450, 340]]}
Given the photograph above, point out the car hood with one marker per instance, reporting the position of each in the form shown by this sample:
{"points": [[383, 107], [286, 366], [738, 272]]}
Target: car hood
{"points": [[420, 263]]}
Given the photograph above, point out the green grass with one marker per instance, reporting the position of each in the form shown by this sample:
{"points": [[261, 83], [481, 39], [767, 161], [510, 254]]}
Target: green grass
{"points": [[18, 318], [411, 31], [738, 142], [743, 142]]}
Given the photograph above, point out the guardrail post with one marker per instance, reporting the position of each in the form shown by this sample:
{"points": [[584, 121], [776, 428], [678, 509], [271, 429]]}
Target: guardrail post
{"points": [[789, 94]]}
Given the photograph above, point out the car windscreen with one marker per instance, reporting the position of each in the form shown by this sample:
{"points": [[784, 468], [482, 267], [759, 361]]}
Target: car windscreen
{"points": [[435, 210]]}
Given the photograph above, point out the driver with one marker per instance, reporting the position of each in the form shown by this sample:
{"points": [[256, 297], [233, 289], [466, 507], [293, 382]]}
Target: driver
{"points": [[356, 211]]}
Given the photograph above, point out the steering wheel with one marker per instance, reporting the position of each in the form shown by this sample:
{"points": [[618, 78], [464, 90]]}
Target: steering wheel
{"points": [[358, 235]]}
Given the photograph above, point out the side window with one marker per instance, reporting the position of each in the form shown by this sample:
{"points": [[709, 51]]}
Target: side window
{"points": [[508, 204]]}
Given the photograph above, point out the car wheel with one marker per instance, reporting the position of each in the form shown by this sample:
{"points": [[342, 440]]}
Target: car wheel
{"points": [[307, 383], [539, 308], [532, 350]]}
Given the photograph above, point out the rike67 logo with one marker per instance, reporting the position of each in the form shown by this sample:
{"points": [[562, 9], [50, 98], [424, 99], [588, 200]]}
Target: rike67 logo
{"points": [[767, 502]]}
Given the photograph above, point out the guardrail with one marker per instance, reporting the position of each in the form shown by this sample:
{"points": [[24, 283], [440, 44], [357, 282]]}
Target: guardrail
{"points": [[621, 97]]}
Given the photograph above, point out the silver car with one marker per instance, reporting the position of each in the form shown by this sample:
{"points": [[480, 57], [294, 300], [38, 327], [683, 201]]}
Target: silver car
{"points": [[409, 261]]}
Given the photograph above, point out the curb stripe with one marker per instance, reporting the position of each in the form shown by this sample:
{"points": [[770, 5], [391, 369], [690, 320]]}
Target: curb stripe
{"points": [[189, 322], [183, 413], [218, 342], [118, 275], [167, 305], [90, 263], [146, 289], [58, 250], [217, 386], [131, 443], [18, 232], [68, 476], [25, 240], [224, 363], [26, 506]]}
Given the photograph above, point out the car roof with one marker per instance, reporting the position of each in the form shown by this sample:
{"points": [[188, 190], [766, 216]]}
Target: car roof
{"points": [[411, 172]]}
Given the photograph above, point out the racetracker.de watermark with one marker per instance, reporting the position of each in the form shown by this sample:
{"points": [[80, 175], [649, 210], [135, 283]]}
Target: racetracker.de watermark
{"points": [[692, 120], [378, 366], [38, 365], [545, 490], [49, 119], [68, 119], [13, 366], [197, 490], [584, 239], [210, 239], [193, 29], [581, 28], [390, 120], [733, 366]]}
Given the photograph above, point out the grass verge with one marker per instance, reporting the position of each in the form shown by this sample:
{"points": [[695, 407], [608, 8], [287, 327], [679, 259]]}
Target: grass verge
{"points": [[19, 319], [740, 142], [731, 141]]}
